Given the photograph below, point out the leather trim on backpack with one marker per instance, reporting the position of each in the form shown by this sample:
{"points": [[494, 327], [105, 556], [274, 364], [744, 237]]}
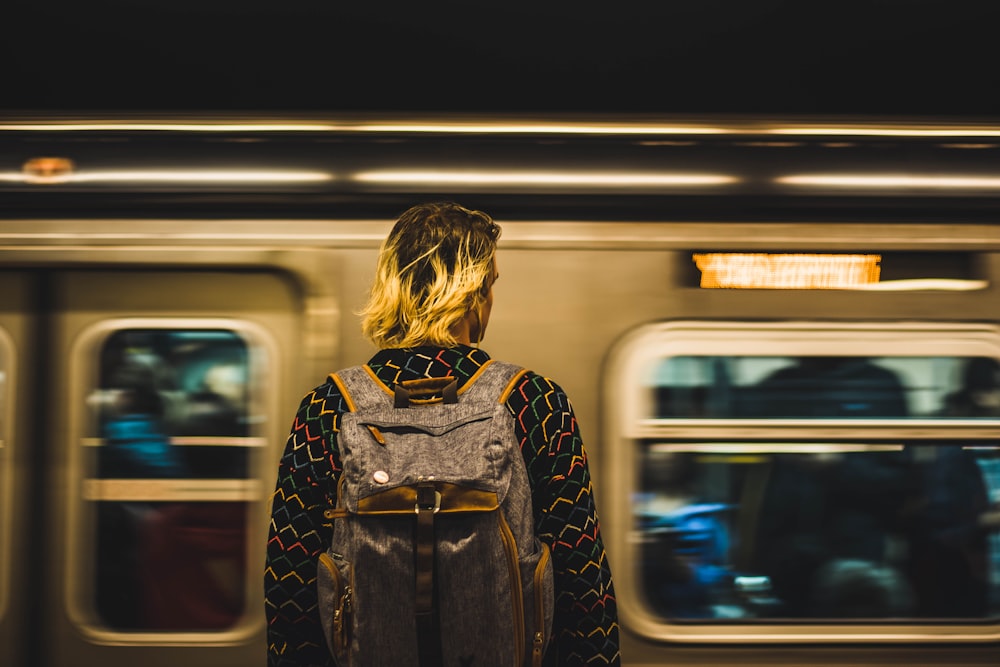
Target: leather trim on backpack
{"points": [[343, 391], [509, 389], [516, 591], [386, 389], [454, 499]]}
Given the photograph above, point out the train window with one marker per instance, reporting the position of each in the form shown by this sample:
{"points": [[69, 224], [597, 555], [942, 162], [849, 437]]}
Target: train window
{"points": [[810, 480], [821, 386], [168, 457]]}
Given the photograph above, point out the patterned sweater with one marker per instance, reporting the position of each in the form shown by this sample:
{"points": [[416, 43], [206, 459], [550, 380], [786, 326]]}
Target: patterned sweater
{"points": [[585, 627]]}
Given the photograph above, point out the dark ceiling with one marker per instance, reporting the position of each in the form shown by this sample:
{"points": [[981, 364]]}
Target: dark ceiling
{"points": [[882, 57]]}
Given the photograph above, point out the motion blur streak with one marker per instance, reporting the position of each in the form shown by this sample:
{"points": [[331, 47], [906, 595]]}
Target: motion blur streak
{"points": [[173, 177], [541, 178], [892, 181]]}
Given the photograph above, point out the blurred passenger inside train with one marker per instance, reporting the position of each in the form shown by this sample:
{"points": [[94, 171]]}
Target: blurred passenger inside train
{"points": [[136, 444], [217, 403], [979, 395], [214, 409], [911, 514], [151, 394], [429, 309], [686, 542], [856, 588], [820, 509], [949, 557], [977, 499], [829, 387], [168, 564]]}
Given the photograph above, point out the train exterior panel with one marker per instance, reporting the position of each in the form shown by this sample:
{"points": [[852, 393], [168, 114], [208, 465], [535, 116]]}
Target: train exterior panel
{"points": [[780, 338]]}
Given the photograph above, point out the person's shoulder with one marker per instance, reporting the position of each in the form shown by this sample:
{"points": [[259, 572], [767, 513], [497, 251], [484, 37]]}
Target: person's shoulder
{"points": [[327, 394]]}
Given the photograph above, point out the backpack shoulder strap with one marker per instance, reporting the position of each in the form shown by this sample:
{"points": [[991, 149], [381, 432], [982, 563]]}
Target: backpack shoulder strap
{"points": [[361, 389], [493, 382], [512, 384]]}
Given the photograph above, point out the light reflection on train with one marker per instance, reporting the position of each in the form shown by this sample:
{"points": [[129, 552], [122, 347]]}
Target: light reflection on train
{"points": [[794, 470]]}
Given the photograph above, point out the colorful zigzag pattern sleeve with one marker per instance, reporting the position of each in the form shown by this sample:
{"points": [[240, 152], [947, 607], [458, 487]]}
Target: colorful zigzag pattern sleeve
{"points": [[585, 627], [306, 485]]}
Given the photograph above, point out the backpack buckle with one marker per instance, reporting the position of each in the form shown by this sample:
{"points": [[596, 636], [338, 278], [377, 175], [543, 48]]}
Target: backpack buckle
{"points": [[426, 502]]}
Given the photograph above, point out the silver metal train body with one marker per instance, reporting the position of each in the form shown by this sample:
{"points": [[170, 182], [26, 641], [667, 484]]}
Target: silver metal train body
{"points": [[670, 274]]}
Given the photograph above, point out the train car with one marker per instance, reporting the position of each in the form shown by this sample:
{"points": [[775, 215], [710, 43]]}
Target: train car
{"points": [[781, 338]]}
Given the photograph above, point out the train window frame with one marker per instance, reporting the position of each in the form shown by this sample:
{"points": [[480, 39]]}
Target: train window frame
{"points": [[8, 366], [78, 592], [626, 405]]}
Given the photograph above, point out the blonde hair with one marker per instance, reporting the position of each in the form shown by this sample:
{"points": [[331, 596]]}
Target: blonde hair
{"points": [[435, 266]]}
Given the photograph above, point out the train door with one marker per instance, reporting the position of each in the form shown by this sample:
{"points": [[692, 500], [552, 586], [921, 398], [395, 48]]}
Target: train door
{"points": [[145, 457]]}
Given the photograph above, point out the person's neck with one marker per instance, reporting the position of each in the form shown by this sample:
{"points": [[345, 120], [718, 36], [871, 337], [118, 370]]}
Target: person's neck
{"points": [[462, 331]]}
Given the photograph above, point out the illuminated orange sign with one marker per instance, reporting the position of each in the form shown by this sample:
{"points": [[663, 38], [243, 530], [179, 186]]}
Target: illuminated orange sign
{"points": [[47, 169], [787, 271]]}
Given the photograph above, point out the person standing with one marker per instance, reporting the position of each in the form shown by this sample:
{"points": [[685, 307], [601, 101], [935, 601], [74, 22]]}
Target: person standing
{"points": [[429, 309]]}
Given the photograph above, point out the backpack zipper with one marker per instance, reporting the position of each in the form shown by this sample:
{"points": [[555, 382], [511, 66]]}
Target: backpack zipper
{"points": [[342, 619], [538, 645], [345, 606], [510, 546]]}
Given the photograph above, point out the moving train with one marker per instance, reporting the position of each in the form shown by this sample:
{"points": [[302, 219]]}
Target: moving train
{"points": [[781, 338]]}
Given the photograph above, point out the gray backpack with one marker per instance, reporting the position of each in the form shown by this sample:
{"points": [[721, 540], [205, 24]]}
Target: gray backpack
{"points": [[434, 559]]}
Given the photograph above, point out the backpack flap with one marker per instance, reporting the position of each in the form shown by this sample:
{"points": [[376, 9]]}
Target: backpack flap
{"points": [[391, 453]]}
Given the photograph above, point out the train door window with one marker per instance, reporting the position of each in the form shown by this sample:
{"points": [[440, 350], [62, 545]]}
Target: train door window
{"points": [[168, 454], [796, 481]]}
